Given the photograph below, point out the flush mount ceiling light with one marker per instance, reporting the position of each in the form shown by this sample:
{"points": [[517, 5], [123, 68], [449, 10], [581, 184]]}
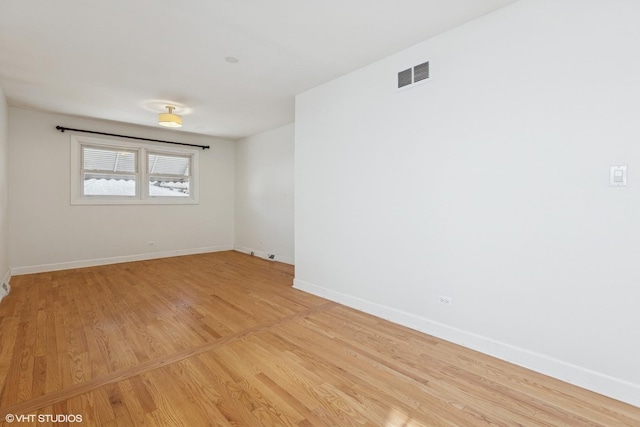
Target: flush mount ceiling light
{"points": [[169, 119]]}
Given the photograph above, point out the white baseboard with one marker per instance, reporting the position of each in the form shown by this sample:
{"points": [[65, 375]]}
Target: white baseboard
{"points": [[6, 279], [262, 254], [17, 271], [615, 388]]}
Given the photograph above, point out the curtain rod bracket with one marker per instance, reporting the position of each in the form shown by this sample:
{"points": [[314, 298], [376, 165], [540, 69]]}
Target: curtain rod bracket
{"points": [[62, 129]]}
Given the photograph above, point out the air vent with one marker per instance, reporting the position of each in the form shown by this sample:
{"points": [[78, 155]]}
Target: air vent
{"points": [[421, 72], [405, 78], [411, 76]]}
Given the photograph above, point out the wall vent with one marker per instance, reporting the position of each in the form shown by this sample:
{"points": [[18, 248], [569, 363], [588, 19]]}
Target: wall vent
{"points": [[421, 72], [4, 290], [405, 78], [413, 75]]}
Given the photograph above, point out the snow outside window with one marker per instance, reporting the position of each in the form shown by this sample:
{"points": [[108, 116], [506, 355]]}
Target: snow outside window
{"points": [[168, 175], [114, 172], [108, 172]]}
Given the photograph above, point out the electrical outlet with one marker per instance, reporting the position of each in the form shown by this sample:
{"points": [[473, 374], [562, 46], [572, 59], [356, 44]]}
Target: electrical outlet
{"points": [[150, 243], [271, 256], [5, 287], [445, 300]]}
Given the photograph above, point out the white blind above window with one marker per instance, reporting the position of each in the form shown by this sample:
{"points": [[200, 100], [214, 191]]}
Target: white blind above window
{"points": [[160, 164], [106, 160]]}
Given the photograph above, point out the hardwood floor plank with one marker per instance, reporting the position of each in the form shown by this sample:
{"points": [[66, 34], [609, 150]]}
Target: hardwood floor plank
{"points": [[223, 339], [105, 379], [338, 364], [478, 392], [458, 362]]}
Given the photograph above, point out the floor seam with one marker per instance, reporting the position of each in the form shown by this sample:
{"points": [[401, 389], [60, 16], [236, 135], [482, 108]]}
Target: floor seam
{"points": [[33, 405]]}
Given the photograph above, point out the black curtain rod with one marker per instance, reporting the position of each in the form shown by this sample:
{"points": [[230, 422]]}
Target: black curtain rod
{"points": [[62, 129]]}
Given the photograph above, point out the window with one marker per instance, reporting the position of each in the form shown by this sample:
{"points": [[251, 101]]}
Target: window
{"points": [[113, 172], [108, 172], [168, 175]]}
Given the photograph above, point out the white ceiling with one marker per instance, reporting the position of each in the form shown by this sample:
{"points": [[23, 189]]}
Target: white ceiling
{"points": [[124, 60]]}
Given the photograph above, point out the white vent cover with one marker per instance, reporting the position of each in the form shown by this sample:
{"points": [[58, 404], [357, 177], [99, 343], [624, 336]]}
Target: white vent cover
{"points": [[413, 75]]}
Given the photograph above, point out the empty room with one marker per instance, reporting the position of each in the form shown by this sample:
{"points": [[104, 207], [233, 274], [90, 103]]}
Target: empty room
{"points": [[295, 213]]}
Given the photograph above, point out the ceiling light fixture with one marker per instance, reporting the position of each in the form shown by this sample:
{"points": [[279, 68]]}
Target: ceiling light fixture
{"points": [[169, 119]]}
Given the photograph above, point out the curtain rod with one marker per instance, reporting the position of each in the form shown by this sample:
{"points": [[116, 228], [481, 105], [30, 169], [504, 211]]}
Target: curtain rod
{"points": [[62, 129]]}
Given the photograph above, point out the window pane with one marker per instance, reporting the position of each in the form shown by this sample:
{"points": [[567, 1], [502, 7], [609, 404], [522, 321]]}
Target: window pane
{"points": [[169, 165], [169, 187], [106, 185], [103, 159]]}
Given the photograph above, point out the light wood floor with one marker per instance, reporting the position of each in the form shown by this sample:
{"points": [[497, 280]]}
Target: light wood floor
{"points": [[223, 339]]}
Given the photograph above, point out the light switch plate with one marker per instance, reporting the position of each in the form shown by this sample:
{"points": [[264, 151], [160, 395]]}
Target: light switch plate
{"points": [[618, 176]]}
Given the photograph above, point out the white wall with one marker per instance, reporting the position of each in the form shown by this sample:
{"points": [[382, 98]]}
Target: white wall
{"points": [[488, 184], [48, 233], [264, 194], [4, 190]]}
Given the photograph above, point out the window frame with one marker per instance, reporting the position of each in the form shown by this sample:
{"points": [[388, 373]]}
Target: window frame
{"points": [[142, 174]]}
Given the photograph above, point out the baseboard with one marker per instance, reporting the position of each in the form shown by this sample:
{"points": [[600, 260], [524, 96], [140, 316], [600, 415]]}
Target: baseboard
{"points": [[17, 271], [595, 381], [6, 279], [263, 254]]}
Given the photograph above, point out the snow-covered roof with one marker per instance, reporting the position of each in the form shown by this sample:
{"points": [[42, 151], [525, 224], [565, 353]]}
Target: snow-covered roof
{"points": [[123, 187]]}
